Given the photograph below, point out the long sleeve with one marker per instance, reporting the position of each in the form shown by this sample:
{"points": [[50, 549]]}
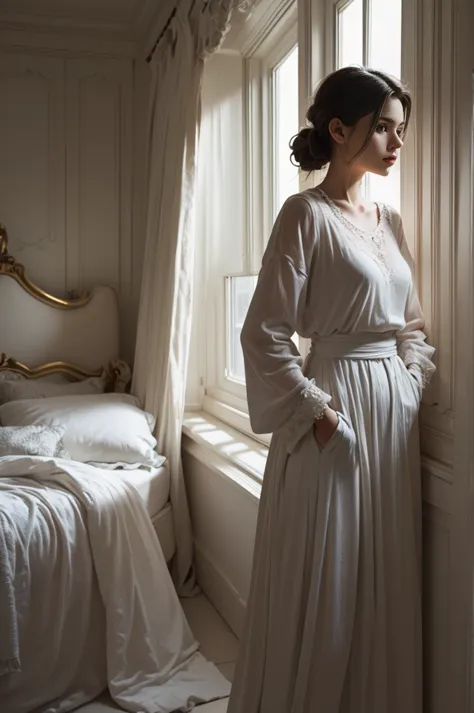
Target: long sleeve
{"points": [[412, 347], [280, 397]]}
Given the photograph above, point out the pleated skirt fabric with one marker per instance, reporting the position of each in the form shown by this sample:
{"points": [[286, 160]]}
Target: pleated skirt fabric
{"points": [[333, 620]]}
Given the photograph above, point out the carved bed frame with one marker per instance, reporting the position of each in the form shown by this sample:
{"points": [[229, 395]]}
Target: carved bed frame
{"points": [[117, 373]]}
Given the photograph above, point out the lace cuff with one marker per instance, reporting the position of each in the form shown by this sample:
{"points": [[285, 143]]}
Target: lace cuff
{"points": [[420, 366], [312, 404]]}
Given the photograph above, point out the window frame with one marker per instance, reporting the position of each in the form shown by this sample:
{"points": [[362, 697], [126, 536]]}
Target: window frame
{"points": [[338, 7], [225, 396], [259, 65], [270, 63], [314, 26]]}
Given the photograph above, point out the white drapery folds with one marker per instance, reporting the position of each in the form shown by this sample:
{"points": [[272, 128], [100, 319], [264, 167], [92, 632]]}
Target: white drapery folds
{"points": [[194, 32]]}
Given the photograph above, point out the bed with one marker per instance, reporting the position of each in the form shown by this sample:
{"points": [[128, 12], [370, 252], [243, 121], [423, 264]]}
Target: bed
{"points": [[77, 338], [86, 526]]}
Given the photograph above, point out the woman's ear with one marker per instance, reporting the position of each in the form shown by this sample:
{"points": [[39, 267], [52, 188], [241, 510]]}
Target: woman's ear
{"points": [[337, 131]]}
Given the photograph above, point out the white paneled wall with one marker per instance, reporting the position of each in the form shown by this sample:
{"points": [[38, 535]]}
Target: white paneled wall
{"points": [[438, 68], [98, 175], [224, 516], [436, 539], [66, 152], [33, 164]]}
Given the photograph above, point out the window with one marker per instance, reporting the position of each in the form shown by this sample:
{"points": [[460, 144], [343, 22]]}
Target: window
{"points": [[351, 33], [270, 107], [239, 291], [369, 32], [251, 109], [286, 125], [282, 182]]}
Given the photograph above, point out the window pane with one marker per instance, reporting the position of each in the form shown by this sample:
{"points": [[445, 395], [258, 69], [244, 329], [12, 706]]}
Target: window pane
{"points": [[385, 36], [239, 293], [385, 53], [285, 83], [351, 34]]}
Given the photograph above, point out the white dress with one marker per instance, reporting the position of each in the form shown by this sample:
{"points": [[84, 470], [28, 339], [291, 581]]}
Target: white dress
{"points": [[333, 620]]}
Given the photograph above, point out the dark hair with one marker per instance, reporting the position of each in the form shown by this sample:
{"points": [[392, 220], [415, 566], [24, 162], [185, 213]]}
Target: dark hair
{"points": [[347, 94]]}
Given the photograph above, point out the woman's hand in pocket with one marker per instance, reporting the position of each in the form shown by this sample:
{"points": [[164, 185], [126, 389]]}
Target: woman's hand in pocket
{"points": [[325, 427]]}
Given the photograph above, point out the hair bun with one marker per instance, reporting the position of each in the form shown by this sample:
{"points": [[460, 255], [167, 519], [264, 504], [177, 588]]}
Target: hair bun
{"points": [[310, 150]]}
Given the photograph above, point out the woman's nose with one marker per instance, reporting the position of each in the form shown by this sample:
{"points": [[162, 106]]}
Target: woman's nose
{"points": [[397, 142]]}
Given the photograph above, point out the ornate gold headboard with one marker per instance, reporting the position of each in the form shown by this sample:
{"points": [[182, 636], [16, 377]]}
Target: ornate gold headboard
{"points": [[9, 266], [89, 332]]}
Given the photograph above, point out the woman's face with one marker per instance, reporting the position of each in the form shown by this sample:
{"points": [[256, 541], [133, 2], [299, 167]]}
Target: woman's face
{"points": [[382, 151]]}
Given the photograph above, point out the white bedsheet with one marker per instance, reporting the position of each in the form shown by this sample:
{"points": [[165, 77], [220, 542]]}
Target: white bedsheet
{"points": [[153, 485], [70, 519]]}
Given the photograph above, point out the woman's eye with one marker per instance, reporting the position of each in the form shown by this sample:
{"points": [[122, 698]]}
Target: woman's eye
{"points": [[382, 127]]}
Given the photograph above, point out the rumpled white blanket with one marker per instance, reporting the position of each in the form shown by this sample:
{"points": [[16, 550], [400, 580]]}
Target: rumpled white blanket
{"points": [[153, 663], [9, 639]]}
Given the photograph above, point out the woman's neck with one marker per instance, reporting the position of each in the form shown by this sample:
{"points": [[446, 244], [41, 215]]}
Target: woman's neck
{"points": [[340, 185]]}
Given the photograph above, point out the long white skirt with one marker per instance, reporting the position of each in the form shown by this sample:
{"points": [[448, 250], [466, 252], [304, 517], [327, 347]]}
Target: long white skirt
{"points": [[334, 614]]}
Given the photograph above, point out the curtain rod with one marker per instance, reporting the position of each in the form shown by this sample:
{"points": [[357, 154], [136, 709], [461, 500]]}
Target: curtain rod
{"points": [[148, 59], [173, 13]]}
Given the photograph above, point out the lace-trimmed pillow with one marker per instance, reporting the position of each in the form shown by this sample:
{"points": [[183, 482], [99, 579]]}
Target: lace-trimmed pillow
{"points": [[33, 441]]}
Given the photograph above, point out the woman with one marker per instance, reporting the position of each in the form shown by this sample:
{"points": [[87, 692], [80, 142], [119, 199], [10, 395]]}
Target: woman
{"points": [[334, 614]]}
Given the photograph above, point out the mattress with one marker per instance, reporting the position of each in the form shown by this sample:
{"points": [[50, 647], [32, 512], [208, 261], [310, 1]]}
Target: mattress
{"points": [[164, 528], [153, 487]]}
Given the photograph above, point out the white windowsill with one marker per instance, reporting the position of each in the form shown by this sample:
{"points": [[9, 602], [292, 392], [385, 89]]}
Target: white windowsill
{"points": [[232, 411], [242, 459], [234, 454]]}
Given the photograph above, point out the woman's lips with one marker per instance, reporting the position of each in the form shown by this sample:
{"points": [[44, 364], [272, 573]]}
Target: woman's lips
{"points": [[390, 159]]}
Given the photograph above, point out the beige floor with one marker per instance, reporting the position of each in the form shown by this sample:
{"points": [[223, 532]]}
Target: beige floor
{"points": [[218, 644]]}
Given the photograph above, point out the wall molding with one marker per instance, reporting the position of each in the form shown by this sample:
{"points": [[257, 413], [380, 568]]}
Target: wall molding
{"points": [[460, 604], [124, 30], [64, 24], [437, 439], [219, 590], [47, 41]]}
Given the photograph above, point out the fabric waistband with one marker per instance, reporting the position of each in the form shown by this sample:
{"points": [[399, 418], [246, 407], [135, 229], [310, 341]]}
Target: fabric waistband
{"points": [[354, 346]]}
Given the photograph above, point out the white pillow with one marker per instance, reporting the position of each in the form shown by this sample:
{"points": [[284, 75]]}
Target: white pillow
{"points": [[40, 389], [102, 428], [32, 441]]}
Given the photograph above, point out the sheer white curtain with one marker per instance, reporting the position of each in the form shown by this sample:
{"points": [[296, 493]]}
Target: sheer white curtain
{"points": [[193, 33]]}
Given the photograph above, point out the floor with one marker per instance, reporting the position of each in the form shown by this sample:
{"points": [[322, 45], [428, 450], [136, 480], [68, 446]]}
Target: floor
{"points": [[218, 644]]}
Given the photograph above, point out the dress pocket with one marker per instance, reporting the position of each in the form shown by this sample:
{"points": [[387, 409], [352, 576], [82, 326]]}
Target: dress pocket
{"points": [[344, 431], [413, 385]]}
